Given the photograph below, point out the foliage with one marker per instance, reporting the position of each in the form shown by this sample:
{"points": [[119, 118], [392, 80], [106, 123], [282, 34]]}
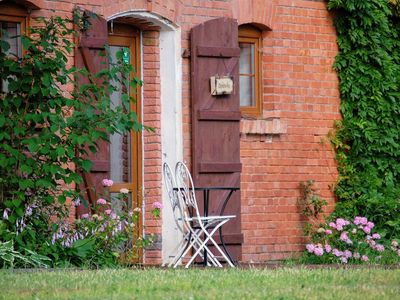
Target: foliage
{"points": [[9, 257], [105, 238], [48, 125], [367, 139], [311, 205], [345, 242]]}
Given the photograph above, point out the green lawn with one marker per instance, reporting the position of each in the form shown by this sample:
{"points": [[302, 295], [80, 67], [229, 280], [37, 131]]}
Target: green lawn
{"points": [[287, 283]]}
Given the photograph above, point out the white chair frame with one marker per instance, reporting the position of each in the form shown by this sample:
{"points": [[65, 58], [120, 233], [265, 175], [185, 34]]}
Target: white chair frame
{"points": [[191, 236], [206, 226]]}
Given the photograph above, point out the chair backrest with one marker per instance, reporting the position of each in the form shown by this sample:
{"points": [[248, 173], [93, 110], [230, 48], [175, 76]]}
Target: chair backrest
{"points": [[170, 185], [186, 188]]}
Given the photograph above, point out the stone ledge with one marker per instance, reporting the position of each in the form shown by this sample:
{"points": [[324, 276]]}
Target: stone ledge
{"points": [[273, 126]]}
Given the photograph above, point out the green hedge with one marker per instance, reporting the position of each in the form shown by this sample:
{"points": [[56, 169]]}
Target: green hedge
{"points": [[367, 139]]}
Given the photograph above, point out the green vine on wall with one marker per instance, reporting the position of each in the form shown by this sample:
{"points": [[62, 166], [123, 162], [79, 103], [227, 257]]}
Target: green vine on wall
{"points": [[367, 138]]}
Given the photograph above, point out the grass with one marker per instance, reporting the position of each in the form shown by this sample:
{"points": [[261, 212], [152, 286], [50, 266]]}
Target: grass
{"points": [[236, 284]]}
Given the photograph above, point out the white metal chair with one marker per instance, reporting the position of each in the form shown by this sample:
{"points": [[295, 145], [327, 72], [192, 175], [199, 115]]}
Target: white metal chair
{"points": [[191, 236], [206, 226]]}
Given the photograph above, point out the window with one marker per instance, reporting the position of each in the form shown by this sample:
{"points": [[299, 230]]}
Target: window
{"points": [[250, 70], [13, 23]]}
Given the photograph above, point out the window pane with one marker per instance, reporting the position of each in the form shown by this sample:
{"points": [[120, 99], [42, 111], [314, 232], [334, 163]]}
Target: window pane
{"points": [[247, 91], [120, 145], [246, 64], [9, 33]]}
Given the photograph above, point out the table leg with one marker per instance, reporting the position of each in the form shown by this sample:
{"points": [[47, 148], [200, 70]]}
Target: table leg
{"points": [[220, 229]]}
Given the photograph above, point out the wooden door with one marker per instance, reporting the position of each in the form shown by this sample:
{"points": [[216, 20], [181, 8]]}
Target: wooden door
{"points": [[216, 120]]}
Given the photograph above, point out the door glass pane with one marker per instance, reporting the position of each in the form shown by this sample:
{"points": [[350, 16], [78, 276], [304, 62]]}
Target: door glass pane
{"points": [[120, 145], [119, 206], [247, 96], [246, 62]]}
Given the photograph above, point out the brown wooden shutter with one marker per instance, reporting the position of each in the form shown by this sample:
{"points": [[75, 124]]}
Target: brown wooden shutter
{"points": [[89, 54], [216, 121]]}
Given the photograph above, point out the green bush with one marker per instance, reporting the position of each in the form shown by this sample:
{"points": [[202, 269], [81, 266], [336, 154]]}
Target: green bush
{"points": [[367, 139], [46, 132]]}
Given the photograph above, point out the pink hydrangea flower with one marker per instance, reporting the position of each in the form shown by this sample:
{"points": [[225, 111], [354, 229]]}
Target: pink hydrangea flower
{"points": [[347, 254], [107, 182], [158, 205], [360, 221], [333, 225], [328, 248], [367, 229], [101, 201], [310, 248], [344, 237], [108, 211], [85, 216], [337, 252], [356, 255], [370, 225], [398, 252], [380, 248], [328, 231], [376, 236], [364, 258], [342, 222], [318, 251], [343, 260]]}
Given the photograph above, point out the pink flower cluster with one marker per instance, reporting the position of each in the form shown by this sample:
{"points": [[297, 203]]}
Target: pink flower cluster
{"points": [[101, 201], [345, 238], [316, 249], [107, 182], [158, 205], [364, 224], [339, 224]]}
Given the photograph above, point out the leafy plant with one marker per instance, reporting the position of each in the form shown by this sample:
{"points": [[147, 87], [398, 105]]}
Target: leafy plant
{"points": [[367, 139], [10, 257], [105, 237], [48, 125], [311, 205]]}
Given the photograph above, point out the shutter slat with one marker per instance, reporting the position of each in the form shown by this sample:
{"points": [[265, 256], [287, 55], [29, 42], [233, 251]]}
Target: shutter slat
{"points": [[223, 52]]}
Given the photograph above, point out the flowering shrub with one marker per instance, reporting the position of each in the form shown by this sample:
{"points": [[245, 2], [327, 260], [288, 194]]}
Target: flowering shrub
{"points": [[347, 241], [105, 238]]}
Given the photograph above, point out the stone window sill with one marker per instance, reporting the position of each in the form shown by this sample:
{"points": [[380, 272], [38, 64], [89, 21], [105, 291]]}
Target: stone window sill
{"points": [[263, 127]]}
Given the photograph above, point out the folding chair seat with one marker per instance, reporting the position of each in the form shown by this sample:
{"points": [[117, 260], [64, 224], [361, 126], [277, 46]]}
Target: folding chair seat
{"points": [[203, 227]]}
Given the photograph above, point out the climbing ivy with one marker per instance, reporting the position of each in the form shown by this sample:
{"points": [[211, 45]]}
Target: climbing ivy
{"points": [[367, 138]]}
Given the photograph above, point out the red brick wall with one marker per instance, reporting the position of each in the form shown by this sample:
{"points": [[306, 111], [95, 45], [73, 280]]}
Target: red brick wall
{"points": [[300, 92], [301, 89]]}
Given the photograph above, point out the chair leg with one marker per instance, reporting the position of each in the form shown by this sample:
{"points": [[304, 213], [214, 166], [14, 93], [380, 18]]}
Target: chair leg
{"points": [[202, 247], [209, 237]]}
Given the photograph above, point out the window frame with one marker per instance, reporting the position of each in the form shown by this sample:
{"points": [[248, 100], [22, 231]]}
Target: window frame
{"points": [[252, 35]]}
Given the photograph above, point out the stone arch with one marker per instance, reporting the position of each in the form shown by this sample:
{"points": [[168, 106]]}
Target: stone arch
{"points": [[169, 10], [259, 13]]}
